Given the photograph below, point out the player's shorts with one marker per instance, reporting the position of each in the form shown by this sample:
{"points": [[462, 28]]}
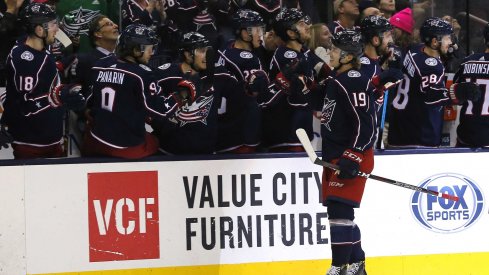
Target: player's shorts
{"points": [[349, 191]]}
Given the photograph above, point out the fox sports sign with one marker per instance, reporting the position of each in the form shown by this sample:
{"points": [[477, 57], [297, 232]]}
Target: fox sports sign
{"points": [[447, 216]]}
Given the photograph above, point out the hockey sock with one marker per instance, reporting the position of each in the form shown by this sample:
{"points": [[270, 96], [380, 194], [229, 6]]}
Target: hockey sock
{"points": [[341, 241], [357, 253]]}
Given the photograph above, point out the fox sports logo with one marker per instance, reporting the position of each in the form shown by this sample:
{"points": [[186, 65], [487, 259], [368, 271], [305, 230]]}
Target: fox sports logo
{"points": [[443, 215]]}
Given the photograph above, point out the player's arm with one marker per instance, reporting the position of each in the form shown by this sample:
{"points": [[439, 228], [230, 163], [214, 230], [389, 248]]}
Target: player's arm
{"points": [[432, 85]]}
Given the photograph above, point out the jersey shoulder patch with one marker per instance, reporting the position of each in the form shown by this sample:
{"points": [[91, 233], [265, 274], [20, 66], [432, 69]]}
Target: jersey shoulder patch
{"points": [[27, 55], [431, 61], [164, 66], [145, 67], [365, 60], [245, 54], [290, 54], [354, 73]]}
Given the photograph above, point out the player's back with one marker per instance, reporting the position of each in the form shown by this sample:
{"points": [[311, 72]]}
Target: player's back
{"points": [[119, 101], [417, 110], [473, 129]]}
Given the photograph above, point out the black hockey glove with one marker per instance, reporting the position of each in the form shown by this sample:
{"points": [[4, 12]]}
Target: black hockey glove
{"points": [[68, 96], [395, 60], [349, 164], [291, 78], [461, 92], [5, 137], [257, 83]]}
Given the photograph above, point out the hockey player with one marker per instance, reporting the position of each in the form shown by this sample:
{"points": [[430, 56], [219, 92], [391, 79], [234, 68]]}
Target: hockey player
{"points": [[33, 92], [125, 94], [239, 114], [193, 130], [417, 115], [348, 134], [473, 130], [286, 106]]}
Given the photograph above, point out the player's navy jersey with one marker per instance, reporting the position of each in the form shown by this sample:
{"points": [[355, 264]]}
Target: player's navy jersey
{"points": [[371, 67], [84, 66], [133, 13], [181, 12], [416, 117], [239, 113], [282, 113], [31, 75], [336, 26], [348, 119], [473, 129], [193, 129], [124, 96]]}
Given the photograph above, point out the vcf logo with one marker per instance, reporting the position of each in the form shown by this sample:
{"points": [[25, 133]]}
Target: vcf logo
{"points": [[123, 216], [446, 216]]}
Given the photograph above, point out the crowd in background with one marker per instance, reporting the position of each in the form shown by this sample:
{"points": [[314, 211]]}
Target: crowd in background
{"points": [[253, 103]]}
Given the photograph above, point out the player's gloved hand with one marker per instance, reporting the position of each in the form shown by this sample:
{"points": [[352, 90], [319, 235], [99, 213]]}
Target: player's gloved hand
{"points": [[349, 164], [68, 96], [257, 83], [395, 60], [461, 92], [188, 89], [5, 137]]}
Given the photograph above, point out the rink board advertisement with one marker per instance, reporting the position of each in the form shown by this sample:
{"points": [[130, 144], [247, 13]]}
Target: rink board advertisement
{"points": [[248, 216]]}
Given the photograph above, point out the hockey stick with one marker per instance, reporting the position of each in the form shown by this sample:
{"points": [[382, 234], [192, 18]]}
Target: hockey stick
{"points": [[304, 139]]}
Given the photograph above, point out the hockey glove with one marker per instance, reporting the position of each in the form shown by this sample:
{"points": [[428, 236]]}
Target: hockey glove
{"points": [[391, 75], [257, 83], [461, 92], [395, 59], [349, 164], [68, 96], [5, 137], [187, 91]]}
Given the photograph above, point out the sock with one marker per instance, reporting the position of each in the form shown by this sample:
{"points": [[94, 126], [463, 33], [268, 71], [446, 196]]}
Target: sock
{"points": [[341, 244], [357, 253]]}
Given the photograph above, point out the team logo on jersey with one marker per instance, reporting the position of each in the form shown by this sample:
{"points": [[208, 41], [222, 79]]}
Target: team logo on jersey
{"points": [[446, 216], [246, 55], [145, 67], [77, 21], [290, 54], [27, 55], [327, 112], [365, 60], [354, 73], [431, 61], [197, 112]]}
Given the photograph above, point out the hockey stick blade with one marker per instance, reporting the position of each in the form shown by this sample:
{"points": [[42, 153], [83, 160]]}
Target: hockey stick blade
{"points": [[304, 139]]}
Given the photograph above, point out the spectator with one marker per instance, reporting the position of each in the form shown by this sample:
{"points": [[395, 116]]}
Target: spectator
{"points": [[387, 7], [34, 94], [319, 46], [348, 135], [346, 13], [403, 29], [125, 94]]}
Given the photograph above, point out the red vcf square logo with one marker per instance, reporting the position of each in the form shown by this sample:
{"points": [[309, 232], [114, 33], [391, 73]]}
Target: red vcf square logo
{"points": [[123, 216]]}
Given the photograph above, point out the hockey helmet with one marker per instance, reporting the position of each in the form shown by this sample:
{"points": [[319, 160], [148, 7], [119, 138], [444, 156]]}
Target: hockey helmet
{"points": [[37, 14], [136, 35], [192, 41], [285, 20], [348, 41], [245, 18], [374, 25], [434, 27]]}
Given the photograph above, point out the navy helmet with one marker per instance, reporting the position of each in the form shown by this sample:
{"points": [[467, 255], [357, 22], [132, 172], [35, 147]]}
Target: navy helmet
{"points": [[348, 41], [245, 18], [36, 14], [193, 40], [285, 20], [434, 27], [136, 35], [374, 25]]}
